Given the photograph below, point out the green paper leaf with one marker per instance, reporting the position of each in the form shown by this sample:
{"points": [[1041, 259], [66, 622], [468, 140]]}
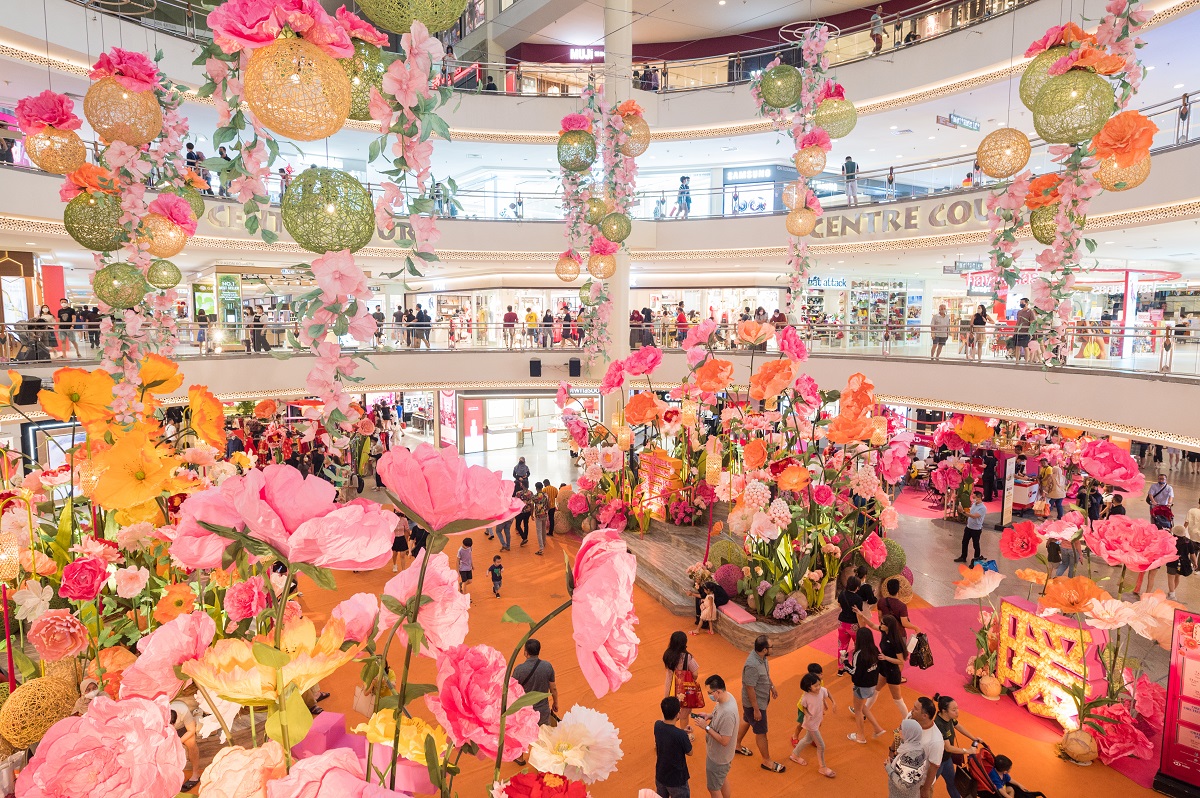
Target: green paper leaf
{"points": [[393, 604], [322, 576], [433, 762], [416, 634], [412, 691], [299, 720], [527, 700], [270, 657], [515, 614]]}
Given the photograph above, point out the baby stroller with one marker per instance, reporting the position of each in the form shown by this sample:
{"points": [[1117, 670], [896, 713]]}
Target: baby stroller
{"points": [[1162, 516], [974, 779]]}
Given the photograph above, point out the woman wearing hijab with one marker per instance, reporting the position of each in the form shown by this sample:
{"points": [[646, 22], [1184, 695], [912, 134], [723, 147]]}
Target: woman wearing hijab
{"points": [[906, 770]]}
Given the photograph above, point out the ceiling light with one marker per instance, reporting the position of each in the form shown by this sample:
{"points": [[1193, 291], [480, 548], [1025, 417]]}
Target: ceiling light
{"points": [[962, 145], [1149, 68], [871, 150], [30, 244], [1107, 243], [720, 2], [931, 138], [893, 127], [1178, 86]]}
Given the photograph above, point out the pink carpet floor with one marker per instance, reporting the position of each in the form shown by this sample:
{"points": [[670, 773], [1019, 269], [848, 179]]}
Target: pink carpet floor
{"points": [[911, 503]]}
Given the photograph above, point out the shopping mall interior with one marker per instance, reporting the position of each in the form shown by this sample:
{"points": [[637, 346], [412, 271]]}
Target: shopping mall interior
{"points": [[753, 319]]}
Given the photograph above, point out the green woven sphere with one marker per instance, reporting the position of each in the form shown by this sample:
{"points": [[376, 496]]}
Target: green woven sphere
{"points": [[576, 150], [1043, 226], [616, 227], [781, 86], [892, 566], [120, 285], [1035, 75], [725, 551], [1073, 107], [326, 210], [190, 194], [597, 209], [163, 274], [398, 15], [365, 69], [94, 221], [836, 117]]}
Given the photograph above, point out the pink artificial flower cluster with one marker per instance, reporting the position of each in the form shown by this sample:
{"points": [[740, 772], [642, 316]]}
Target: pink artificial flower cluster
{"points": [[817, 137], [1112, 465], [176, 209], [576, 122], [1134, 543], [602, 246], [358, 28], [602, 610], [36, 113], [244, 25], [183, 639], [643, 362], [135, 71], [830, 90], [442, 493]]}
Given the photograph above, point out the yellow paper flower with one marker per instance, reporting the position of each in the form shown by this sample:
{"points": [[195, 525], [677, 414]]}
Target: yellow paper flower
{"points": [[132, 472], [242, 461], [381, 729], [7, 392], [160, 376], [974, 430], [207, 416], [228, 670], [314, 658], [148, 511], [86, 395]]}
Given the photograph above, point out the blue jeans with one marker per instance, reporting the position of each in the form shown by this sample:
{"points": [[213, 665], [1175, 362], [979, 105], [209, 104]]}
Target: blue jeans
{"points": [[946, 771], [1057, 504], [1069, 560], [504, 533], [672, 792]]}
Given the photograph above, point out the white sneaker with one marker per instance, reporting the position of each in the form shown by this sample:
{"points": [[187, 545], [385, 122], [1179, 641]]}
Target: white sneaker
{"points": [[395, 569], [1171, 595]]}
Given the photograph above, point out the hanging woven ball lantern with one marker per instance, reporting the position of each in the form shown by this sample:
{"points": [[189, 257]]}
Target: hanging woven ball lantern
{"points": [[397, 15], [1113, 178], [1073, 107], [94, 221], [616, 227], [794, 194], [194, 198], [597, 209], [120, 285], [567, 268], [296, 90], [118, 114], [163, 274], [166, 239], [1003, 152], [780, 87], [326, 210], [810, 161], [1043, 226], [576, 150], [836, 117], [602, 266], [364, 69], [1036, 75], [638, 133], [801, 222], [33, 708], [56, 151]]}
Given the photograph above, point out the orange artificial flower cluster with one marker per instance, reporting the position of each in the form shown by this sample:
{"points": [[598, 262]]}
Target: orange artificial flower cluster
{"points": [[1097, 59], [852, 422], [773, 378], [642, 408], [715, 375], [193, 179], [1043, 190], [754, 332], [93, 179], [266, 409], [1070, 596], [629, 107], [754, 454], [1126, 138]]}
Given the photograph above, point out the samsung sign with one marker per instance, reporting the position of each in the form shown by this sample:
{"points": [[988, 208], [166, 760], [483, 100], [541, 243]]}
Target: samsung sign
{"points": [[770, 173]]}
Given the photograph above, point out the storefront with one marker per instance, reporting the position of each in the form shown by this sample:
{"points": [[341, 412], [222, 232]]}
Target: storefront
{"points": [[755, 189], [709, 303], [483, 421]]}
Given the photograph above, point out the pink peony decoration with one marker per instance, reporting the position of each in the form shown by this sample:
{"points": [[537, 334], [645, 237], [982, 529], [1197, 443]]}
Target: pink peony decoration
{"points": [[817, 137], [602, 246], [245, 599], [336, 773], [135, 71], [118, 749], [823, 495], [1132, 542], [643, 362], [131, 581], [1112, 465], [57, 634], [83, 579], [1120, 736], [36, 113], [444, 618], [467, 703], [577, 428], [830, 90], [442, 493], [602, 612], [153, 674], [578, 504], [873, 550], [1150, 701], [338, 275], [1019, 541], [177, 209], [192, 545], [946, 477], [359, 613], [239, 25], [563, 397], [577, 122], [614, 377], [791, 344], [237, 772], [358, 28]]}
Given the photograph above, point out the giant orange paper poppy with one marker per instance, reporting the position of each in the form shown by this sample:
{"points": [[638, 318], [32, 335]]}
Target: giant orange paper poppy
{"points": [[1126, 138], [754, 454], [715, 375], [753, 332], [160, 376], [642, 408], [1070, 595], [207, 416], [1043, 190], [85, 395], [773, 378]]}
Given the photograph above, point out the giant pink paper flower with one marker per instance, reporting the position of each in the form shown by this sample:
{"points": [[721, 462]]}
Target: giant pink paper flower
{"points": [[602, 246], [354, 537], [1112, 465], [83, 579], [359, 613], [336, 773], [174, 643], [36, 113], [442, 493], [135, 71], [243, 25], [614, 377], [602, 610], [1132, 542], [177, 209], [1019, 541], [359, 28], [1119, 736], [57, 634], [467, 702], [444, 618], [1150, 701], [791, 344], [643, 361], [245, 599], [338, 275], [119, 749], [873, 550], [946, 477], [193, 546]]}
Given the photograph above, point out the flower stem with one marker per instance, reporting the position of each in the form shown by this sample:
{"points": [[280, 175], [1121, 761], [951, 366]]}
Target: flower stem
{"points": [[220, 718], [408, 650]]}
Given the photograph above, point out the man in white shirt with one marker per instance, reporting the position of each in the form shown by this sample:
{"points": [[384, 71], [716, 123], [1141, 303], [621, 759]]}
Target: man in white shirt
{"points": [[923, 712], [941, 332], [1192, 525], [1160, 493]]}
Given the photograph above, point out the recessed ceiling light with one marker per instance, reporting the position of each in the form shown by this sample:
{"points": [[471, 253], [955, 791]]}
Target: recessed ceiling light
{"points": [[30, 244], [1178, 86], [1149, 68], [841, 261], [962, 145], [1106, 243], [931, 138], [893, 127], [871, 150], [720, 2], [899, 156]]}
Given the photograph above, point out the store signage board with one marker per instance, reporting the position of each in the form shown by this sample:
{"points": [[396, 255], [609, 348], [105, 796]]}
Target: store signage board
{"points": [[964, 122], [962, 267], [1179, 768], [945, 121], [829, 281], [585, 53]]}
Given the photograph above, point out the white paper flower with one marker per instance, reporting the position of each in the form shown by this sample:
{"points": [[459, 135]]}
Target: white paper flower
{"points": [[32, 600], [584, 745]]}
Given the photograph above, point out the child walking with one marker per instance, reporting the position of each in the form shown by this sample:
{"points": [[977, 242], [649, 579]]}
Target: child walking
{"points": [[819, 672], [496, 571], [465, 564], [708, 612], [815, 700]]}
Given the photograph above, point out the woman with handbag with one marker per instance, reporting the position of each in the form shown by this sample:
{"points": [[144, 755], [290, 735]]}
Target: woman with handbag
{"points": [[682, 680]]}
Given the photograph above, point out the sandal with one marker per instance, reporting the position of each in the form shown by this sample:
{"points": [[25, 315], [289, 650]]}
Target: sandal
{"points": [[827, 773], [852, 737], [774, 767], [189, 785], [798, 760], [744, 751]]}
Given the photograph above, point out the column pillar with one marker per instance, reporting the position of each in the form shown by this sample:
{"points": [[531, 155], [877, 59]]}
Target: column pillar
{"points": [[493, 53], [1128, 320]]}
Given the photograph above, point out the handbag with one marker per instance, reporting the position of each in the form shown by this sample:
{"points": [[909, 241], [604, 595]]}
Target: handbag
{"points": [[922, 656], [1041, 508], [688, 690]]}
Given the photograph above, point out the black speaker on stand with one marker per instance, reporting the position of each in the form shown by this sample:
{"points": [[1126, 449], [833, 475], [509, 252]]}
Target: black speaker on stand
{"points": [[575, 366], [535, 367]]}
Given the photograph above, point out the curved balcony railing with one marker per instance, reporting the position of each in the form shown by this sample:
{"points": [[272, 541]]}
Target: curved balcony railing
{"points": [[1088, 346], [930, 20]]}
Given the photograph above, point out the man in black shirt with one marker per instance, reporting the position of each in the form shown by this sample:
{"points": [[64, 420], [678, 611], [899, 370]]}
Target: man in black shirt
{"points": [[379, 320], [66, 328], [672, 747]]}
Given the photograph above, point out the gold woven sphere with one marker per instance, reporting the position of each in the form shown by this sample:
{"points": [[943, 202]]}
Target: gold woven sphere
{"points": [[296, 90], [1113, 178], [33, 708], [326, 210], [810, 161], [56, 151], [576, 150], [801, 222], [94, 221], [602, 266], [1043, 226], [616, 227], [364, 69], [794, 194], [163, 274], [166, 239], [638, 133], [1035, 74], [1003, 152], [120, 285], [597, 209], [118, 114], [781, 85], [194, 198], [398, 15], [1073, 107], [836, 117], [567, 269]]}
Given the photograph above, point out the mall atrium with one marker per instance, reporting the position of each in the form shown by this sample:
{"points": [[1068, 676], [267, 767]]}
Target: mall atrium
{"points": [[813, 352]]}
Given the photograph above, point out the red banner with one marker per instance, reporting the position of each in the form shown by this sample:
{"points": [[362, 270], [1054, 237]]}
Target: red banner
{"points": [[1179, 770]]}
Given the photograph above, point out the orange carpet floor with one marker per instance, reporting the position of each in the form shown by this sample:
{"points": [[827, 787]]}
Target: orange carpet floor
{"points": [[537, 585]]}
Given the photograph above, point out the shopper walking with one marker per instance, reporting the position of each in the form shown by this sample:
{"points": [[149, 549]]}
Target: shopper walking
{"points": [[940, 328], [672, 747], [536, 675], [757, 692], [877, 31], [947, 724], [864, 675], [850, 175], [540, 507], [974, 528], [523, 493], [814, 700], [720, 735], [683, 676], [1025, 320], [907, 767]]}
